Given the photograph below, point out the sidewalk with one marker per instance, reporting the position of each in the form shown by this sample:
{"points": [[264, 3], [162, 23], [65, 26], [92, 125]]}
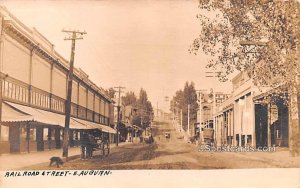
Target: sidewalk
{"points": [[21, 160]]}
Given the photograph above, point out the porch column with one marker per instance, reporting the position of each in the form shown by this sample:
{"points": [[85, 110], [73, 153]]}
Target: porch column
{"points": [[269, 124], [254, 125], [28, 136], [49, 138]]}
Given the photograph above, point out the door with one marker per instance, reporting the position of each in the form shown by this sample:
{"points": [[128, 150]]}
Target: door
{"points": [[40, 138], [14, 138]]}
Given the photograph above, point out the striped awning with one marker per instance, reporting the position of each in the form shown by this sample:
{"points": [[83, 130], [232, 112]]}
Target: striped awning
{"points": [[11, 114], [15, 112], [103, 128]]}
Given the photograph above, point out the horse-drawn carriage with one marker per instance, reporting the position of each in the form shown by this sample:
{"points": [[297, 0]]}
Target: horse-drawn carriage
{"points": [[207, 136], [91, 144], [102, 146]]}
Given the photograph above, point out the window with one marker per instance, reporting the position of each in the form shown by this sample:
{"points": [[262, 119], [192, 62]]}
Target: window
{"points": [[46, 133], [4, 133], [32, 134]]}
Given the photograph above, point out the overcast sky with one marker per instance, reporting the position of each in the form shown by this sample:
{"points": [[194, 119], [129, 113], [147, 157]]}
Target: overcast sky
{"points": [[132, 43]]}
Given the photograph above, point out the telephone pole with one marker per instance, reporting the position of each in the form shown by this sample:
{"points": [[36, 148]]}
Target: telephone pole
{"points": [[189, 119], [157, 109], [119, 90], [73, 36], [199, 115]]}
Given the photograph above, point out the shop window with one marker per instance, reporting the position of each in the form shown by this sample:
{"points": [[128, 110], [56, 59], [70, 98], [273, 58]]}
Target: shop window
{"points": [[243, 140], [46, 133], [249, 139], [278, 133], [23, 132], [78, 135], [237, 138], [52, 133], [33, 134], [4, 133]]}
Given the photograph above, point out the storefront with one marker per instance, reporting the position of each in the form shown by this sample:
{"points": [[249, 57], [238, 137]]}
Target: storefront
{"points": [[26, 129], [271, 123]]}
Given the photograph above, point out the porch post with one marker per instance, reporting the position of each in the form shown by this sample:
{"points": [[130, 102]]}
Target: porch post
{"points": [[269, 124], [28, 136]]}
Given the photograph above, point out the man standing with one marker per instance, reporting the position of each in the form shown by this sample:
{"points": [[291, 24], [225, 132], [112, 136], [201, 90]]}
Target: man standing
{"points": [[83, 144]]}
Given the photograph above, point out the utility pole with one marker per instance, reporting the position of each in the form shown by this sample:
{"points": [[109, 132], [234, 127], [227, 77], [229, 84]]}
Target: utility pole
{"points": [[199, 99], [189, 119], [199, 118], [166, 100], [142, 116], [73, 37], [119, 90], [157, 109], [181, 120]]}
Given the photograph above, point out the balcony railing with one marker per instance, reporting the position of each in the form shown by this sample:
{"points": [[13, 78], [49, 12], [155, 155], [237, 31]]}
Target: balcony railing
{"points": [[16, 91]]}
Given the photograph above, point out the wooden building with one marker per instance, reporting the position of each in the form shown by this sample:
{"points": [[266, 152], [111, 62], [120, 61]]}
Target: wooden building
{"points": [[33, 92]]}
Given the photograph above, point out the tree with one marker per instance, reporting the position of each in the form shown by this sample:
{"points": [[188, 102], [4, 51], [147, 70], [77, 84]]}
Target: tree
{"points": [[182, 99], [129, 99], [145, 110], [111, 92], [260, 37]]}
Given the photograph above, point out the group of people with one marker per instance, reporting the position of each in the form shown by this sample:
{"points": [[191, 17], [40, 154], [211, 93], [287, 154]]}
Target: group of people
{"points": [[87, 143]]}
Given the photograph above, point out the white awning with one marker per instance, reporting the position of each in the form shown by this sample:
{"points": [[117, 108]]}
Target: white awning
{"points": [[87, 123], [103, 128], [46, 117], [11, 114], [109, 130]]}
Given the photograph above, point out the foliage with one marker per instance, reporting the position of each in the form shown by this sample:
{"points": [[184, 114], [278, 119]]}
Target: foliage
{"points": [[144, 114], [129, 99], [260, 37], [181, 100], [111, 92], [145, 109], [272, 27]]}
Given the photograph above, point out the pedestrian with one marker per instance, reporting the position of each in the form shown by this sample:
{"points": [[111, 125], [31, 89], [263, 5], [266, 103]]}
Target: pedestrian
{"points": [[90, 145], [83, 144]]}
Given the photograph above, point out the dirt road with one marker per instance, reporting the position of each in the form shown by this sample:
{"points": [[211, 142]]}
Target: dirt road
{"points": [[176, 153]]}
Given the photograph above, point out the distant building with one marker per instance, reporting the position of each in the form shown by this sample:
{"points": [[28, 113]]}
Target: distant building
{"points": [[128, 130]]}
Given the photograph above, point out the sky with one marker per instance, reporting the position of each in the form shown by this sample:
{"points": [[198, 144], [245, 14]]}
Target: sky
{"points": [[131, 43]]}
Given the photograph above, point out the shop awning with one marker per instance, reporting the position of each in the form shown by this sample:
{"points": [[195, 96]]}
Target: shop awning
{"points": [[102, 127], [87, 123], [109, 130], [46, 117], [11, 114]]}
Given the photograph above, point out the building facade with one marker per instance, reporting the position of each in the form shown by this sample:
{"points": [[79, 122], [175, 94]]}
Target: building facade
{"points": [[33, 92], [246, 119]]}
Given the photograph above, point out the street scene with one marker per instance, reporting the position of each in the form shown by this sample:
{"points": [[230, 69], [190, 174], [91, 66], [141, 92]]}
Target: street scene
{"points": [[149, 85], [175, 153]]}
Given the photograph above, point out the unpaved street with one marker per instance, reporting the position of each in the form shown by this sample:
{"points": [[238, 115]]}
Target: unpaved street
{"points": [[176, 153]]}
